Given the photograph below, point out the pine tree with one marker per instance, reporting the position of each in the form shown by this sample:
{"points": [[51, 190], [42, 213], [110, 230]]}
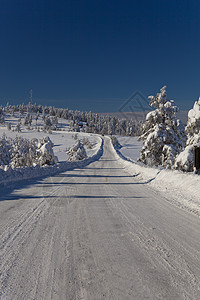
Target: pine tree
{"points": [[77, 152], [9, 126], [163, 135], [185, 160], [2, 121]]}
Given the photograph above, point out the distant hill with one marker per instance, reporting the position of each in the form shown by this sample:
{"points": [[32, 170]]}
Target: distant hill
{"points": [[140, 116]]}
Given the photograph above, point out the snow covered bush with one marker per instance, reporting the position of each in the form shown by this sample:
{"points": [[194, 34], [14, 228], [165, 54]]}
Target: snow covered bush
{"points": [[2, 120], [5, 151], [77, 152], [54, 121], [50, 123], [28, 120], [193, 123], [17, 127], [21, 152], [185, 160], [46, 155], [47, 124], [163, 135], [9, 127], [45, 140]]}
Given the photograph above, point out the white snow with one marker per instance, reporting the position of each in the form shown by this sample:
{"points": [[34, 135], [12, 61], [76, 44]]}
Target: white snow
{"points": [[194, 113], [63, 140], [182, 189], [130, 147], [163, 135], [12, 175], [77, 152], [185, 159]]}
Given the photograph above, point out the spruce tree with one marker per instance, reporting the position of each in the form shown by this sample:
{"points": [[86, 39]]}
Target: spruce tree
{"points": [[185, 160], [163, 135]]}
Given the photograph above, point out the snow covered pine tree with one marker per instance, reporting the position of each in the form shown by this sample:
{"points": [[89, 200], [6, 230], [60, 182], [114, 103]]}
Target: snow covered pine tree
{"points": [[163, 135], [77, 152], [185, 160]]}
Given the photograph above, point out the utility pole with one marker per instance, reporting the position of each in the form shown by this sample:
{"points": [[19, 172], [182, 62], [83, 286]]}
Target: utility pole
{"points": [[31, 96]]}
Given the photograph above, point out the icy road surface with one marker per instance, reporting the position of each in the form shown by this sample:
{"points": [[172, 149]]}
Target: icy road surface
{"points": [[96, 233]]}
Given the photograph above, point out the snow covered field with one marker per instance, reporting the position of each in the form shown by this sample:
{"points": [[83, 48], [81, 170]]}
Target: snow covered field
{"points": [[62, 139], [130, 147]]}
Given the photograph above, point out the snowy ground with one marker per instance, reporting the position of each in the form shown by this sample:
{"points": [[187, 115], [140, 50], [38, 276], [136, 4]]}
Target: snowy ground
{"points": [[63, 140], [96, 233], [180, 188], [130, 147]]}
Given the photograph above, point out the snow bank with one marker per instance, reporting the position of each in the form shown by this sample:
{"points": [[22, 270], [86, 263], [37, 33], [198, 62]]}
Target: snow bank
{"points": [[131, 147], [12, 175], [179, 188]]}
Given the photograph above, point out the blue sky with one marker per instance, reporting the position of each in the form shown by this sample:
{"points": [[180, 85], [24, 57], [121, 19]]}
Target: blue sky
{"points": [[94, 54]]}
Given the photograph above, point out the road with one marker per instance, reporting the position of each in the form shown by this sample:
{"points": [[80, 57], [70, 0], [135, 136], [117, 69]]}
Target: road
{"points": [[96, 233]]}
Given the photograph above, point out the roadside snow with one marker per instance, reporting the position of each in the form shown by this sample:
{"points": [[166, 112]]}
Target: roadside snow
{"points": [[179, 188], [130, 147], [62, 141]]}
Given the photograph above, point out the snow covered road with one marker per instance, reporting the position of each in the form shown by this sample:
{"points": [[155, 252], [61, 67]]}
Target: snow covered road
{"points": [[96, 233]]}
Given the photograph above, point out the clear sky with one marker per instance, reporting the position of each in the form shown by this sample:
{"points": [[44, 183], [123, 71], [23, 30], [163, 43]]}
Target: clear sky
{"points": [[93, 54]]}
